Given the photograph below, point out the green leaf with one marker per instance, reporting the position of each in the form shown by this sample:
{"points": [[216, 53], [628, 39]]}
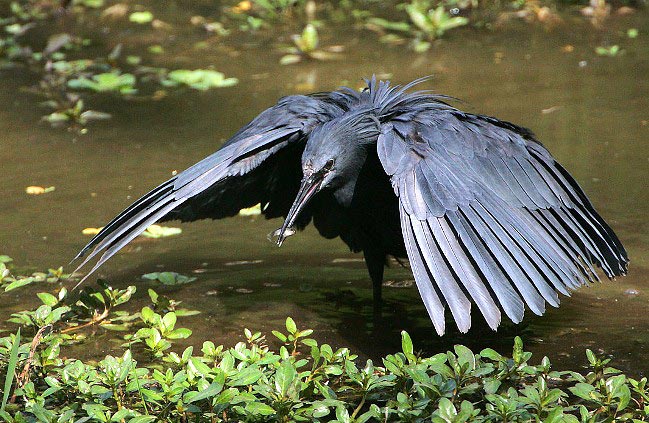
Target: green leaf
{"points": [[591, 357], [465, 356], [284, 377], [48, 299], [290, 326], [11, 370], [582, 390], [247, 376], [447, 410], [169, 320], [18, 283], [142, 419], [259, 409], [180, 333], [406, 344], [279, 335], [210, 391], [141, 17]]}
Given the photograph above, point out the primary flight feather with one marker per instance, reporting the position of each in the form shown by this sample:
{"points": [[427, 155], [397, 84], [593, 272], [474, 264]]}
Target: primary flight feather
{"points": [[483, 212]]}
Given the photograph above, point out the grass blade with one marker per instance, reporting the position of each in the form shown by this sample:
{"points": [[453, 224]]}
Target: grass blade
{"points": [[11, 371]]}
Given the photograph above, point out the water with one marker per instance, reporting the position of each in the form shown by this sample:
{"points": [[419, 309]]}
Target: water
{"points": [[592, 116]]}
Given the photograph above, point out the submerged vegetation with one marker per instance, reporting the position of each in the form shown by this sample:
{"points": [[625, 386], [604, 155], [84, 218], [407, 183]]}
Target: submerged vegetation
{"points": [[74, 67], [289, 378]]}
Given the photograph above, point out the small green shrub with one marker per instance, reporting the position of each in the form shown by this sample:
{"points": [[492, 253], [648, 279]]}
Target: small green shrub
{"points": [[301, 380]]}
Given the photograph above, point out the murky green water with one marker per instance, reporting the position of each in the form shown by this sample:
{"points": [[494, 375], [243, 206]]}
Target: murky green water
{"points": [[593, 117]]}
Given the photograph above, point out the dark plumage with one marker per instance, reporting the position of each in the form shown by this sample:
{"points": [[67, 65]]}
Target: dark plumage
{"points": [[480, 208]]}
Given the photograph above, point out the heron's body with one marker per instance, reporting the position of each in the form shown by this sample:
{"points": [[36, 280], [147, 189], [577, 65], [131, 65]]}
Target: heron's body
{"points": [[482, 211]]}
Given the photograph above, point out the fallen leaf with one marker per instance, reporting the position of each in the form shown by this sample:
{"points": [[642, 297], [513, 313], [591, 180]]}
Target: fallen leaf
{"points": [[243, 6], [91, 231], [550, 110], [251, 211], [36, 190], [625, 10], [157, 231], [242, 262], [158, 24], [115, 11]]}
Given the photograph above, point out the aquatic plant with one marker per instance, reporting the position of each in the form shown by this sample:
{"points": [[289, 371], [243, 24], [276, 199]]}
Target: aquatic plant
{"points": [[199, 79], [106, 82], [610, 51], [9, 281], [306, 46], [432, 22], [147, 379], [253, 14], [426, 23], [143, 17], [168, 278], [71, 113]]}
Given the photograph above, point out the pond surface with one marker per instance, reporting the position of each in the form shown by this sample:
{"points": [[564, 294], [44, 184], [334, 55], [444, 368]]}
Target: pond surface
{"points": [[591, 112]]}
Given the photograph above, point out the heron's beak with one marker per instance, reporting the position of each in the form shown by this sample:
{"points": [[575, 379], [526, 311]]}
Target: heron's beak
{"points": [[310, 186]]}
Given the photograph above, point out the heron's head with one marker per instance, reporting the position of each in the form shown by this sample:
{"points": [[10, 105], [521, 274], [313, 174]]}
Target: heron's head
{"points": [[333, 157]]}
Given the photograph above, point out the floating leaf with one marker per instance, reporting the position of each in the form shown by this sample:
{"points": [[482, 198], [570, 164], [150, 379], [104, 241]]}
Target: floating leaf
{"points": [[156, 49], [90, 115], [611, 51], [36, 190], [199, 79], [251, 211], [157, 231], [290, 59], [56, 42], [169, 278], [91, 231], [141, 17], [94, 4], [106, 82]]}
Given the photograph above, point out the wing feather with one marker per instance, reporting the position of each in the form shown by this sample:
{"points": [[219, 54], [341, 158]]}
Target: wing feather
{"points": [[489, 216], [458, 303], [488, 265], [423, 279], [466, 273], [287, 123]]}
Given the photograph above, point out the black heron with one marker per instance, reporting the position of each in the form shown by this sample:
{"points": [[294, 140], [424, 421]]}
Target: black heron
{"points": [[480, 208]]}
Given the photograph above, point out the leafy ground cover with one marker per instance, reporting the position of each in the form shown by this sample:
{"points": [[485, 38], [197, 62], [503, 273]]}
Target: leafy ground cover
{"points": [[300, 380]]}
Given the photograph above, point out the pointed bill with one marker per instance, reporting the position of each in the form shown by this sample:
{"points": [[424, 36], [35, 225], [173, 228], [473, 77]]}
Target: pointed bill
{"points": [[310, 186]]}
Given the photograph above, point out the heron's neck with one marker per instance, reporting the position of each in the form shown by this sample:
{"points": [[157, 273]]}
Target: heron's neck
{"points": [[347, 189]]}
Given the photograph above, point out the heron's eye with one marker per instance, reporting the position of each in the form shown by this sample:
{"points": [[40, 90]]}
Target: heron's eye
{"points": [[329, 165]]}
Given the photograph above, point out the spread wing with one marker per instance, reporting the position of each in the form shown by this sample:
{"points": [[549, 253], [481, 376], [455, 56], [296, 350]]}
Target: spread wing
{"points": [[489, 217], [262, 156]]}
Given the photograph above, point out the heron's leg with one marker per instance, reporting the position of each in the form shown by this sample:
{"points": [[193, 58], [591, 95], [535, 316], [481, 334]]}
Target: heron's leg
{"points": [[375, 263]]}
